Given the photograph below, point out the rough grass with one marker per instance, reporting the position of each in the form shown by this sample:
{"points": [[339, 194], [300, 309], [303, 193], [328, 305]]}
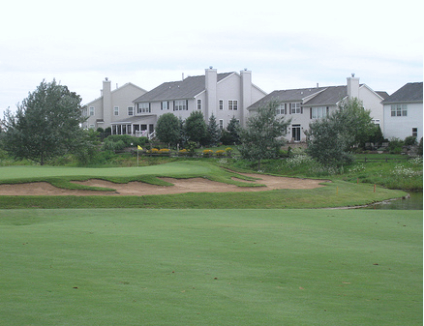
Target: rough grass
{"points": [[210, 267]]}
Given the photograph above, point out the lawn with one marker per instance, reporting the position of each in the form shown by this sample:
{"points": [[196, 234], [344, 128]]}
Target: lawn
{"points": [[210, 267]]}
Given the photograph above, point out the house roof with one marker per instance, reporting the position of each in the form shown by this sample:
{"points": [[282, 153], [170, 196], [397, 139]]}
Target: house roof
{"points": [[314, 96], [383, 94], [134, 119], [117, 90], [183, 89], [411, 92]]}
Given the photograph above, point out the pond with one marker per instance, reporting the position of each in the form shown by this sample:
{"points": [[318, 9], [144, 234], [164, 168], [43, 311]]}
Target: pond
{"points": [[415, 202]]}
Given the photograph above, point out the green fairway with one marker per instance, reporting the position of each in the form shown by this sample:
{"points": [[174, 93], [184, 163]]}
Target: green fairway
{"points": [[175, 168], [210, 267]]}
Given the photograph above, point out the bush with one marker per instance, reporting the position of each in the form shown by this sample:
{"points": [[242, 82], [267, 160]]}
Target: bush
{"points": [[119, 142], [410, 141], [395, 145]]}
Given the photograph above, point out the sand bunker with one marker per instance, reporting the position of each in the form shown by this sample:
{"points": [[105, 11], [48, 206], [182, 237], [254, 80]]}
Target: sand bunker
{"points": [[142, 189]]}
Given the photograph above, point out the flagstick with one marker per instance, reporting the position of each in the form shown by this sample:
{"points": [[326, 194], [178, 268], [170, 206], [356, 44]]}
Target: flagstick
{"points": [[137, 156]]}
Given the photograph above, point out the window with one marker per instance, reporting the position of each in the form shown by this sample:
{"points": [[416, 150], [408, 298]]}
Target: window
{"points": [[91, 110], [180, 105], [221, 104], [280, 109], [399, 110], [143, 108], [130, 110], [319, 112], [415, 132], [164, 105], [232, 105], [199, 104], [116, 110], [221, 124], [295, 108]]}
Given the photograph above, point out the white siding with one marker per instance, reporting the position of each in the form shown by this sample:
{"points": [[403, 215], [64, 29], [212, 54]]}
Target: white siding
{"points": [[401, 127]]}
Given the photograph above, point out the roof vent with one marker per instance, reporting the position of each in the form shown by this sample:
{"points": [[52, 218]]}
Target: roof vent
{"points": [[353, 74]]}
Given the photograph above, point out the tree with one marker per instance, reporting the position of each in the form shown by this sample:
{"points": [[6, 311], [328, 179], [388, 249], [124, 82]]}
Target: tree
{"points": [[168, 129], [183, 139], [214, 132], [195, 127], [232, 129], [46, 124], [263, 136], [330, 139]]}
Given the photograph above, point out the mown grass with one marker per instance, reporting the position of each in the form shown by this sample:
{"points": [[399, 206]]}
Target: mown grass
{"points": [[61, 177], [335, 194], [210, 267]]}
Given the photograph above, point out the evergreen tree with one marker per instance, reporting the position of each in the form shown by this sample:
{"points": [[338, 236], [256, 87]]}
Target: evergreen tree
{"points": [[214, 132]]}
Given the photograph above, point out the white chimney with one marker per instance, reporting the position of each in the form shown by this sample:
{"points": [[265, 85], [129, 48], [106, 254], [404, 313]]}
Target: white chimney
{"points": [[353, 87], [211, 80]]}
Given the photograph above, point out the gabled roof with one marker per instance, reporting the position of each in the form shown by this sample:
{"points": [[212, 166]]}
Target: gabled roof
{"points": [[411, 92], [331, 96], [314, 96], [178, 90], [117, 90], [383, 94]]}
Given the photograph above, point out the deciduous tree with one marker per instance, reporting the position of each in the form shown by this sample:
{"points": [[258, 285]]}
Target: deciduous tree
{"points": [[330, 139], [195, 127], [168, 129], [263, 136], [46, 124]]}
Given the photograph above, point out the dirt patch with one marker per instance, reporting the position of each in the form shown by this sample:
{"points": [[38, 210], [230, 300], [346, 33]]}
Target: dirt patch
{"points": [[142, 189]]}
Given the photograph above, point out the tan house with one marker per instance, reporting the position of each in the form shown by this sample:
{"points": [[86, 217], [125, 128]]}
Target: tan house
{"points": [[225, 95], [112, 105]]}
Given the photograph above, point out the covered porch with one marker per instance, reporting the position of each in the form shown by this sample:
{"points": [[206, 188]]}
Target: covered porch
{"points": [[139, 126]]}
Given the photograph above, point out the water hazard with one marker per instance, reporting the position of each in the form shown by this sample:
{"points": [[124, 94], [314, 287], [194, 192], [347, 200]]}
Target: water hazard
{"points": [[414, 202]]}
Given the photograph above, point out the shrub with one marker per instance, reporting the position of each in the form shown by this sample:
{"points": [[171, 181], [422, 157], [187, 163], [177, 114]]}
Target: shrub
{"points": [[220, 153], [207, 153], [395, 145], [410, 141]]}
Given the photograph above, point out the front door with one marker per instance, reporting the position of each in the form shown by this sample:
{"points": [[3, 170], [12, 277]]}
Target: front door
{"points": [[296, 132]]}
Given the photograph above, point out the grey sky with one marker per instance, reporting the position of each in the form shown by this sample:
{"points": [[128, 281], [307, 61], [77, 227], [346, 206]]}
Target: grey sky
{"points": [[285, 45]]}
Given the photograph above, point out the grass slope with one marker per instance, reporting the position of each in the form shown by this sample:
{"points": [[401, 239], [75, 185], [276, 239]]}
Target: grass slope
{"points": [[210, 267], [336, 194], [61, 176]]}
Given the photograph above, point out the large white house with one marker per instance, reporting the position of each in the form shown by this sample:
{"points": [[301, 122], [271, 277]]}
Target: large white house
{"points": [[112, 105], [224, 95], [403, 112], [305, 105]]}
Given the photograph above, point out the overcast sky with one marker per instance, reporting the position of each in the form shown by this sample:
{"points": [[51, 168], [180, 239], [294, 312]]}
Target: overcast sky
{"points": [[285, 45]]}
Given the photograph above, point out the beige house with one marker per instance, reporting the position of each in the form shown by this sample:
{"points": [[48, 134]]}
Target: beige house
{"points": [[305, 105], [112, 105], [225, 95]]}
